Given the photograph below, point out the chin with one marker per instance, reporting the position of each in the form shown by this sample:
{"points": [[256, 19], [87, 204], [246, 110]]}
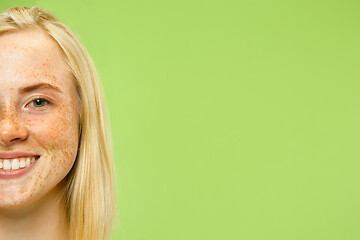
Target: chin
{"points": [[14, 203]]}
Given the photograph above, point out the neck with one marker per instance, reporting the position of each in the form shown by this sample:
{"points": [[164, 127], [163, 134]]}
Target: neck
{"points": [[43, 219]]}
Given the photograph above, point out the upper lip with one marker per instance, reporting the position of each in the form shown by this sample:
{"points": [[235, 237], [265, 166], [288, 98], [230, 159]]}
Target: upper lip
{"points": [[16, 154]]}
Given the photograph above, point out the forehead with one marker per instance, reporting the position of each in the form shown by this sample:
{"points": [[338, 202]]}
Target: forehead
{"points": [[29, 55]]}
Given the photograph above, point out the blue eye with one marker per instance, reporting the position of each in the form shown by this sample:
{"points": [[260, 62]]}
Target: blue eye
{"points": [[40, 102]]}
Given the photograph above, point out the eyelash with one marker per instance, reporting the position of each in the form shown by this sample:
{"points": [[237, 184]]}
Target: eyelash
{"points": [[43, 99]]}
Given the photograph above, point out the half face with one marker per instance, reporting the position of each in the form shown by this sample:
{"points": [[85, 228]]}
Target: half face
{"points": [[38, 117]]}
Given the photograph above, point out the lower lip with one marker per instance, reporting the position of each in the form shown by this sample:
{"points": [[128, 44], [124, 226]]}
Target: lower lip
{"points": [[11, 174]]}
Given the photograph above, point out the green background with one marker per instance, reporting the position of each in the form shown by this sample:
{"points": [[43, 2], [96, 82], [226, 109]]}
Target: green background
{"points": [[230, 119]]}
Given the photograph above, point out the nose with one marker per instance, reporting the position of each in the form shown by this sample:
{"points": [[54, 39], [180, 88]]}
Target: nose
{"points": [[10, 131]]}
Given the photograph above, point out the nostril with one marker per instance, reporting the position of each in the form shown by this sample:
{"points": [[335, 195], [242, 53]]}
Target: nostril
{"points": [[12, 133], [8, 138]]}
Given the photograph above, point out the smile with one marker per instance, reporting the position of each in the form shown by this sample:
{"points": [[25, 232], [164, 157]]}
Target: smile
{"points": [[16, 163]]}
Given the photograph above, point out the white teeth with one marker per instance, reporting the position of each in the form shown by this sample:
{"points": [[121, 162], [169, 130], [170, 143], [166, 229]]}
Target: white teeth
{"points": [[22, 163], [15, 164], [6, 165]]}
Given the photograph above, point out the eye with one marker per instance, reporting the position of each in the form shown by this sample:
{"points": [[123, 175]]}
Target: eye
{"points": [[39, 102]]}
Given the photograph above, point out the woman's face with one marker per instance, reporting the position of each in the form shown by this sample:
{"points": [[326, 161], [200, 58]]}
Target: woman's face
{"points": [[38, 117]]}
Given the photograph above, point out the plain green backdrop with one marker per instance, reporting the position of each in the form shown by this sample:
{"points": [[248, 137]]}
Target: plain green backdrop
{"points": [[234, 120]]}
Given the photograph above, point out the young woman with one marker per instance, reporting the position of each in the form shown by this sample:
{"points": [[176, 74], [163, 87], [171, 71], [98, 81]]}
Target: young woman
{"points": [[56, 167]]}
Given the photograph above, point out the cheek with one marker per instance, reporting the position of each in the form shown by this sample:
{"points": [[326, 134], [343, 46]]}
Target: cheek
{"points": [[56, 134]]}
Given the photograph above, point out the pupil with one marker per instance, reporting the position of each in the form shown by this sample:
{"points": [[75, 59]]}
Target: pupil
{"points": [[38, 102]]}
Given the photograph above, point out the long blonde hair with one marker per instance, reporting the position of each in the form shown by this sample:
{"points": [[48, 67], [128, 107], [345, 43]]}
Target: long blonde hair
{"points": [[89, 195]]}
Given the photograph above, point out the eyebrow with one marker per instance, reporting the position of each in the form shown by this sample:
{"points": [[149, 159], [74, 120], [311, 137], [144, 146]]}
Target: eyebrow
{"points": [[38, 86]]}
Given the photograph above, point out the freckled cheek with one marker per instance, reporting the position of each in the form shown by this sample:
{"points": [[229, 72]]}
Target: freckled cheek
{"points": [[57, 134]]}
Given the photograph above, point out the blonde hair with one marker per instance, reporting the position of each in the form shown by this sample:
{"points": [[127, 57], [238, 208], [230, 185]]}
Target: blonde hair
{"points": [[89, 195]]}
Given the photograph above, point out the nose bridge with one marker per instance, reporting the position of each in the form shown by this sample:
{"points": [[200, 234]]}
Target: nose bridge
{"points": [[10, 129], [7, 112]]}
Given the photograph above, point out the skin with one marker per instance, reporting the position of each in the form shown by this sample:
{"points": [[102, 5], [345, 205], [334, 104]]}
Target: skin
{"points": [[31, 206]]}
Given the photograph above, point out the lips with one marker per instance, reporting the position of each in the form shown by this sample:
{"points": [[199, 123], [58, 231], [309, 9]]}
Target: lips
{"points": [[17, 166], [4, 155]]}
